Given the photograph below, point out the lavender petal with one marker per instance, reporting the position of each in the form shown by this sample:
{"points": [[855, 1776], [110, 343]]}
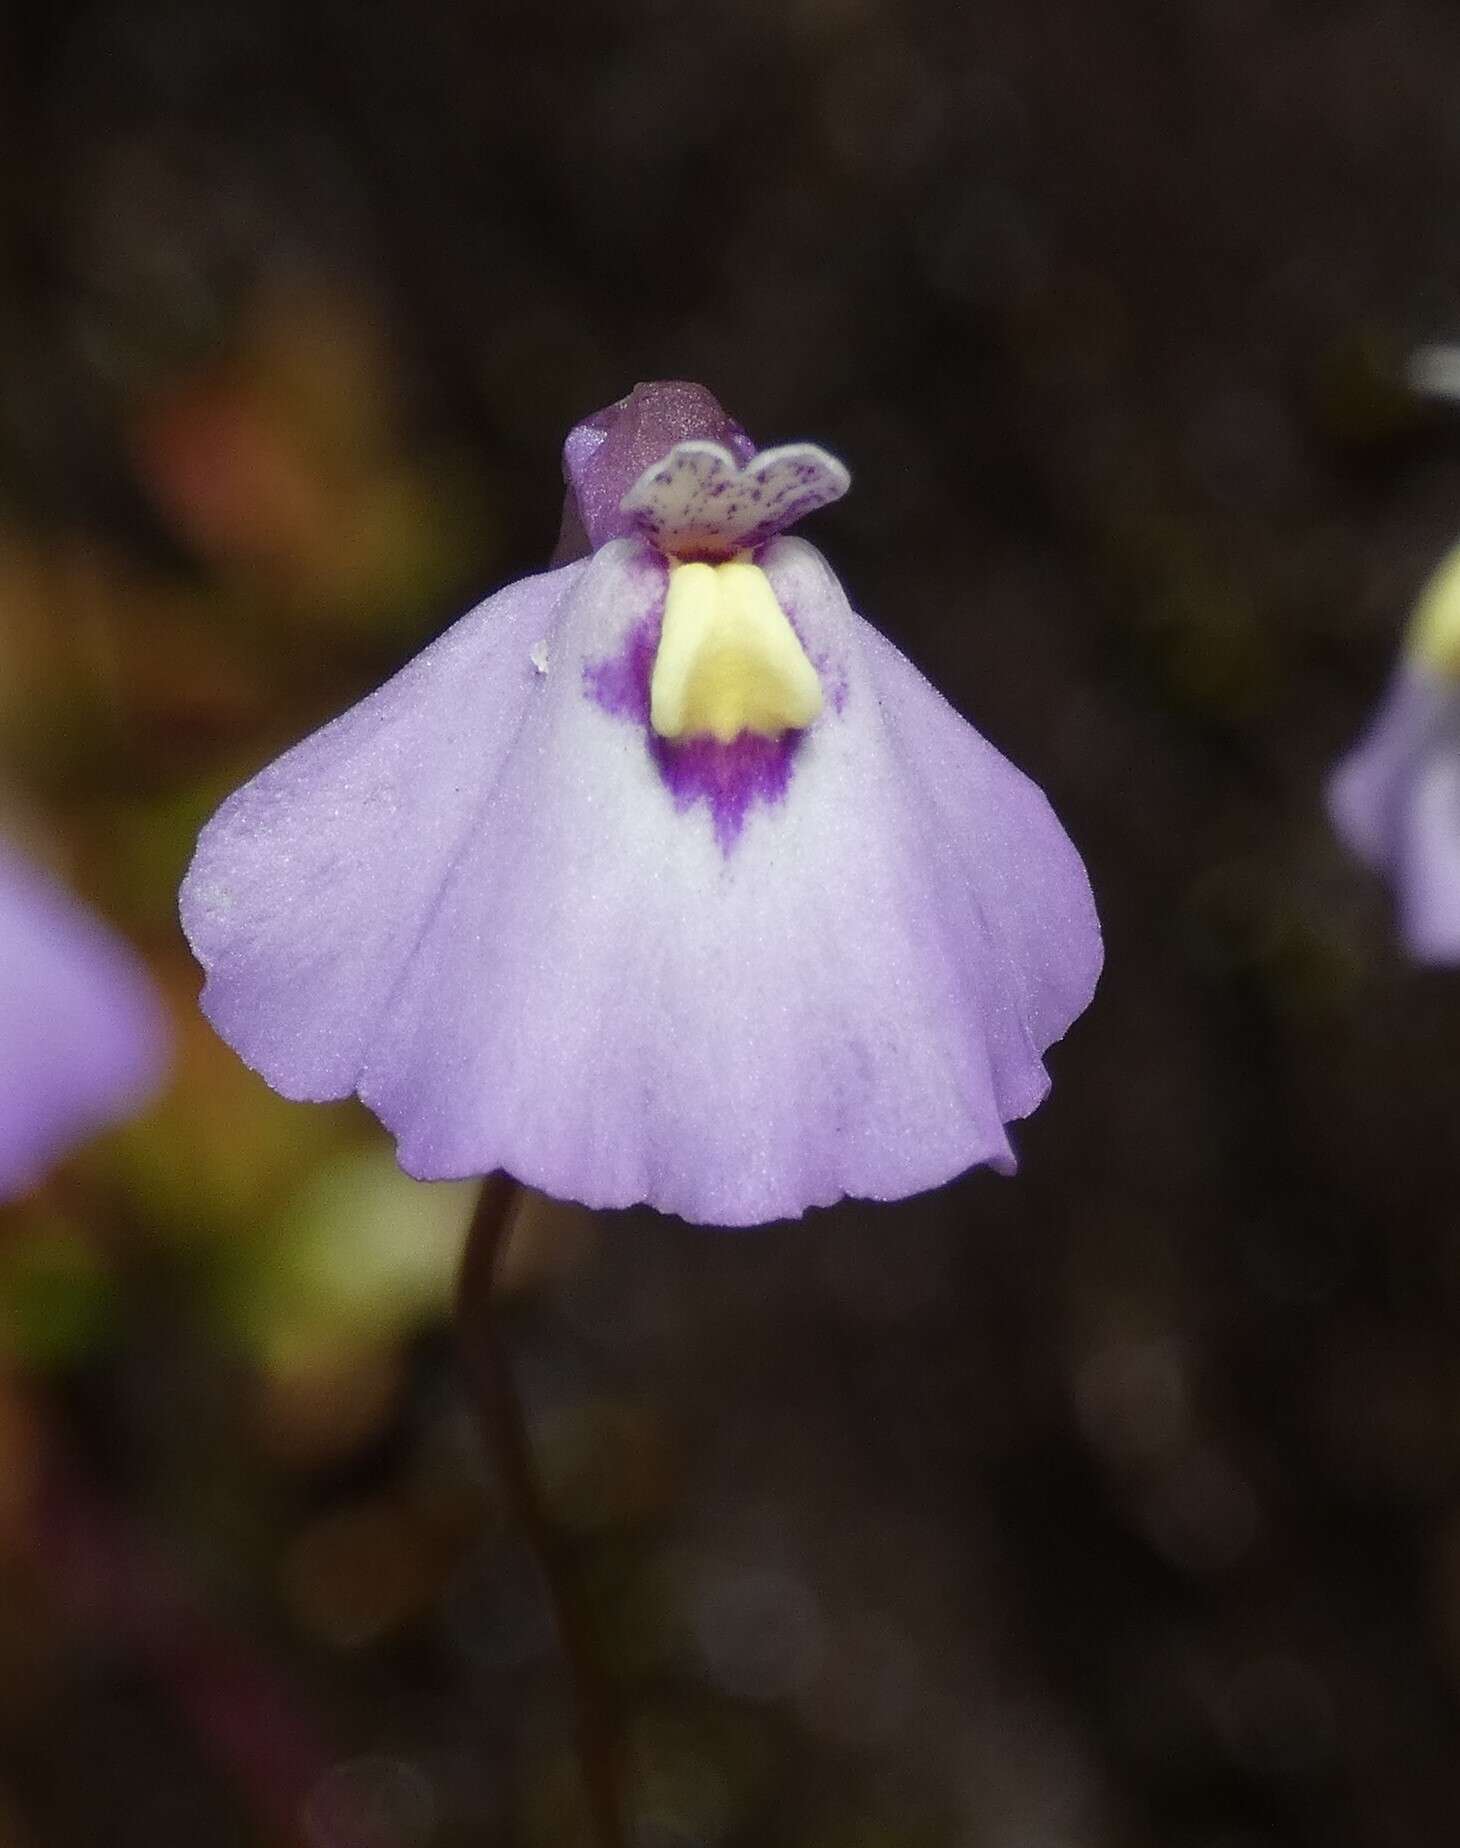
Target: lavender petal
{"points": [[82, 1038]]}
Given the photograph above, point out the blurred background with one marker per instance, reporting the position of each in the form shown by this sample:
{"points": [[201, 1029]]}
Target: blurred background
{"points": [[1118, 1504]]}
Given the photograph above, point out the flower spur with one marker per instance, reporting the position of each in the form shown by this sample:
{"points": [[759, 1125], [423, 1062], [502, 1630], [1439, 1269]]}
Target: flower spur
{"points": [[661, 876]]}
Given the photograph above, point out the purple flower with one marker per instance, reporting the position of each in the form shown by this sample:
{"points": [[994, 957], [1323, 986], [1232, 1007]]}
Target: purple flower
{"points": [[82, 1042], [659, 877], [1395, 802], [1395, 798]]}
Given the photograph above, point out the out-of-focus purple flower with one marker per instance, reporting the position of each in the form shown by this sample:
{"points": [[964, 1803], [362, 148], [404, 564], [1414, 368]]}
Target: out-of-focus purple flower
{"points": [[82, 1040], [1395, 798], [661, 876]]}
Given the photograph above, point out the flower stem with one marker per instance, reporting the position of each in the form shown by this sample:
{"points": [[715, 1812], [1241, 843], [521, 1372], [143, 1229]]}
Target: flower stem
{"points": [[504, 1434]]}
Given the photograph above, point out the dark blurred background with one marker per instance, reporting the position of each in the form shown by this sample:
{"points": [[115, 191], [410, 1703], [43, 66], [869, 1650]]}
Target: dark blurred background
{"points": [[1118, 1504]]}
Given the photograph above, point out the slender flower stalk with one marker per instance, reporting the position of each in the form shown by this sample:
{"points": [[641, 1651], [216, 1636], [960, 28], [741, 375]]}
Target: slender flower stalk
{"points": [[504, 1435]]}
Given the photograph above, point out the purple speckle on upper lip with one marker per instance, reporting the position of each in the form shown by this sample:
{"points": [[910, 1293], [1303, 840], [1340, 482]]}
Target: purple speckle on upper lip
{"points": [[729, 778], [707, 502]]}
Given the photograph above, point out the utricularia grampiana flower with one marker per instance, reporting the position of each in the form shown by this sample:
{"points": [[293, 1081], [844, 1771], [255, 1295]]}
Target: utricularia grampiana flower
{"points": [[1395, 798], [661, 877], [82, 1039]]}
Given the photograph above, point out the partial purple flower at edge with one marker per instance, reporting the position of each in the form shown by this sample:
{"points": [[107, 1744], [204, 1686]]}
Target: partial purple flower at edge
{"points": [[1395, 798], [1395, 803], [661, 877], [82, 1038]]}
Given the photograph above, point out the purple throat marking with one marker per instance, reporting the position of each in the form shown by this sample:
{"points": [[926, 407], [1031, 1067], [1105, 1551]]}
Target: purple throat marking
{"points": [[729, 778]]}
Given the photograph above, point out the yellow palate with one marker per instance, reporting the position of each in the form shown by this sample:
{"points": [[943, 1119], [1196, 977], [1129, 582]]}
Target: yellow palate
{"points": [[728, 660], [1434, 630]]}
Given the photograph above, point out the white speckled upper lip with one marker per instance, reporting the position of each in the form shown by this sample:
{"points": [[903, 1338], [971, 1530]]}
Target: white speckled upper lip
{"points": [[699, 502]]}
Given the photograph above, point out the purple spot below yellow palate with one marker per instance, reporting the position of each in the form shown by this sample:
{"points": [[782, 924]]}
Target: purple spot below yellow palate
{"points": [[728, 778]]}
